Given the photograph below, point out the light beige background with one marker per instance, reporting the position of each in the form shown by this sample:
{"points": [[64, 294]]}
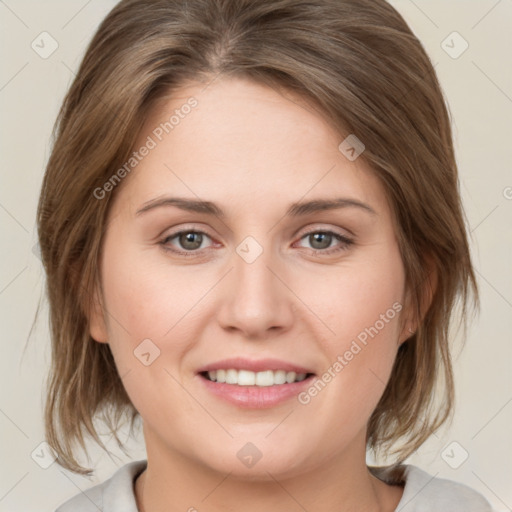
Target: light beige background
{"points": [[478, 86]]}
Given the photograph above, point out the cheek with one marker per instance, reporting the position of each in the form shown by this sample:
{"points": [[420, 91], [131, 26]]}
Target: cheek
{"points": [[147, 298], [150, 296], [362, 306], [359, 300], [151, 318]]}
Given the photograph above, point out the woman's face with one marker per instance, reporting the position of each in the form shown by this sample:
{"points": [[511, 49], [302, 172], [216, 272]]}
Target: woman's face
{"points": [[251, 279]]}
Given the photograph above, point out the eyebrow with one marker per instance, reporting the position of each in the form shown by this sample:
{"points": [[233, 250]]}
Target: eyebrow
{"points": [[295, 210]]}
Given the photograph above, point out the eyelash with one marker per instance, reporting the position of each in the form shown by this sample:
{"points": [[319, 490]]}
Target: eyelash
{"points": [[347, 242]]}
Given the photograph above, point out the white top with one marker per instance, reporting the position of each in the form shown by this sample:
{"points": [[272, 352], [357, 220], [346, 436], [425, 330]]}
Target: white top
{"points": [[422, 493]]}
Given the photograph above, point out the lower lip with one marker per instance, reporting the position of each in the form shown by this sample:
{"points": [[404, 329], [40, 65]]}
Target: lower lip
{"points": [[256, 397]]}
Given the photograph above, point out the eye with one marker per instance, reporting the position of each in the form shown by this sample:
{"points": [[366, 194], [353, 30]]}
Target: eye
{"points": [[189, 241], [322, 241]]}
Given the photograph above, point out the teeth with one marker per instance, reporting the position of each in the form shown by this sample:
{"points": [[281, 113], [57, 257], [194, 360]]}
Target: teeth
{"points": [[231, 377], [247, 378], [279, 377]]}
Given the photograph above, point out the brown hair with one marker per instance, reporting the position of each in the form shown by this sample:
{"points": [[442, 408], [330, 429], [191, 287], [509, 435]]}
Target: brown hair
{"points": [[359, 62]]}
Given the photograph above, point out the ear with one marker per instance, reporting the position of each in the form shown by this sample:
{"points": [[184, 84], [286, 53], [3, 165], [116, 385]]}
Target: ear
{"points": [[412, 318], [96, 317]]}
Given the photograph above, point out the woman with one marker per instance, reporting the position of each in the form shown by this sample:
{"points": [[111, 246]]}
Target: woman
{"points": [[254, 241]]}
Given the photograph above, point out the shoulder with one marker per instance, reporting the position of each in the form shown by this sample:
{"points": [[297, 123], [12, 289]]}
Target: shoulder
{"points": [[114, 495], [427, 493]]}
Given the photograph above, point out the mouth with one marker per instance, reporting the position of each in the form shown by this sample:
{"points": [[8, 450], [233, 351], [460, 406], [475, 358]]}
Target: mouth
{"points": [[255, 384], [263, 378]]}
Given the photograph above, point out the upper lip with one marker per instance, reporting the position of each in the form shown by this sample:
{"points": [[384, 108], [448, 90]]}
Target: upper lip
{"points": [[253, 365]]}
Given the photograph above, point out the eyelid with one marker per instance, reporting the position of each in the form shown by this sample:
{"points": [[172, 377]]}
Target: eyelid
{"points": [[322, 228], [173, 231]]}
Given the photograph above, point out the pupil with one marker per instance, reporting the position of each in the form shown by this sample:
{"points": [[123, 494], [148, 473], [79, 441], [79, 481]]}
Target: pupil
{"points": [[187, 240], [320, 237]]}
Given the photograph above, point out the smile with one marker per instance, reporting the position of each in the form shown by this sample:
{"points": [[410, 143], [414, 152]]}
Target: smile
{"points": [[254, 384], [248, 378]]}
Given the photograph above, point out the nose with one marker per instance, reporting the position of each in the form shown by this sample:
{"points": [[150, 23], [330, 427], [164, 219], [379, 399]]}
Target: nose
{"points": [[257, 300]]}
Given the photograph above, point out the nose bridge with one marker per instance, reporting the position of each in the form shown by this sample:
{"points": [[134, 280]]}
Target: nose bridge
{"points": [[257, 301]]}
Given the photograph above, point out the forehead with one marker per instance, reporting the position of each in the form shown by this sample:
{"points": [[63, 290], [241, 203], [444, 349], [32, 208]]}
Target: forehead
{"points": [[251, 143]]}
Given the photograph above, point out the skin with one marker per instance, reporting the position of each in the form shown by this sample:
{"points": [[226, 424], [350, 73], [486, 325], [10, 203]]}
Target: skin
{"points": [[252, 151]]}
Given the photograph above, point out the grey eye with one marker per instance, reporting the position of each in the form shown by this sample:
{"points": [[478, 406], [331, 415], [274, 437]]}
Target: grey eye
{"points": [[320, 240], [190, 240]]}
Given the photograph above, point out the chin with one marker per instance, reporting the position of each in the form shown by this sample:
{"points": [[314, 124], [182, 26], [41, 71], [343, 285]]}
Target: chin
{"points": [[258, 460]]}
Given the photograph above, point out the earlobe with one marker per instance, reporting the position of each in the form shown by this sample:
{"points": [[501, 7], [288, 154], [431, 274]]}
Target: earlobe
{"points": [[413, 319], [406, 332], [407, 320], [96, 317], [405, 335]]}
